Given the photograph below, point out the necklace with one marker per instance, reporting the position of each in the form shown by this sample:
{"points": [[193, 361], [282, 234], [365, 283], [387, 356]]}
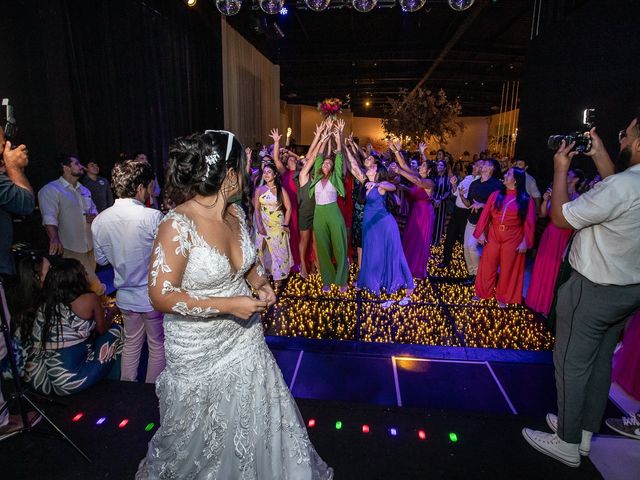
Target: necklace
{"points": [[204, 204]]}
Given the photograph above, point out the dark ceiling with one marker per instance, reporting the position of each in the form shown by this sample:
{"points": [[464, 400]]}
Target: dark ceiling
{"points": [[371, 56]]}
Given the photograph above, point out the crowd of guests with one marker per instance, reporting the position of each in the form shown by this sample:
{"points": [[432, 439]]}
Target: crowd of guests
{"points": [[336, 205], [340, 204]]}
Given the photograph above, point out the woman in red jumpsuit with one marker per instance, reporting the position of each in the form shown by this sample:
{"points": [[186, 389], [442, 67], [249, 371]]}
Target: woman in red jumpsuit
{"points": [[506, 228]]}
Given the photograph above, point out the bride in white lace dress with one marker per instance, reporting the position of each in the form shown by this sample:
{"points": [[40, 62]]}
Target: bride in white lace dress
{"points": [[225, 410]]}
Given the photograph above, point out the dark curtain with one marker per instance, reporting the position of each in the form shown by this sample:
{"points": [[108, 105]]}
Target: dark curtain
{"points": [[105, 77], [584, 60], [141, 73]]}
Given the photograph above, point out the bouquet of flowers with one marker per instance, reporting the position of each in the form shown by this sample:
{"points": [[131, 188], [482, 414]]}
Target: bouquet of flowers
{"points": [[330, 107]]}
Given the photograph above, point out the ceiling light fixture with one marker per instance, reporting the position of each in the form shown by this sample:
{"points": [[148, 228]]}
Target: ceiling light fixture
{"points": [[412, 5], [271, 7], [228, 7], [364, 6], [317, 5], [191, 3], [461, 5]]}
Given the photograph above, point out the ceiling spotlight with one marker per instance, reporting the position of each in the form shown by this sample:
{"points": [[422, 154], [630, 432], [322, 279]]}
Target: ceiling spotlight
{"points": [[228, 7], [461, 5], [271, 6], [367, 103], [317, 5], [412, 5], [191, 3], [364, 6]]}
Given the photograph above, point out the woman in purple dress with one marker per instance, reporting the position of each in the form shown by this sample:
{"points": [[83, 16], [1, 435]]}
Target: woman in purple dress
{"points": [[419, 229], [383, 262]]}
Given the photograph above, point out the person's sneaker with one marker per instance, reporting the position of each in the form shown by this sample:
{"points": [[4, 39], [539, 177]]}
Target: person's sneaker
{"points": [[404, 302], [627, 426], [585, 443], [554, 447], [387, 304]]}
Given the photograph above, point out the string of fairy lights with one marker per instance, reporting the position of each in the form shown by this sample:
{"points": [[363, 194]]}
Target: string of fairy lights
{"points": [[440, 313]]}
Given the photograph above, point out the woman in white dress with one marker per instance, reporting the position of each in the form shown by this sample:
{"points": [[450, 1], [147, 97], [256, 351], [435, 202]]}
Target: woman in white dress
{"points": [[225, 410]]}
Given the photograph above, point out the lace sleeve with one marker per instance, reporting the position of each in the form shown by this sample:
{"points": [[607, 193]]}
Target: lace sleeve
{"points": [[168, 262]]}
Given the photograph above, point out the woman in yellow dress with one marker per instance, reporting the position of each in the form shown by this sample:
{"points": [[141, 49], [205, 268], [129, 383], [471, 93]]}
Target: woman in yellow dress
{"points": [[273, 211]]}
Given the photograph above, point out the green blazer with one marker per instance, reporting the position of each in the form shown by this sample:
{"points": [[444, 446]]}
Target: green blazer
{"points": [[336, 176]]}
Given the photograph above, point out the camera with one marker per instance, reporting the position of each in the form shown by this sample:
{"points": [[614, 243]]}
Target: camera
{"points": [[583, 141], [8, 120]]}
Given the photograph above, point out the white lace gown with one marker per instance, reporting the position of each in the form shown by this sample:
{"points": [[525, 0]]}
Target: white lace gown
{"points": [[225, 410]]}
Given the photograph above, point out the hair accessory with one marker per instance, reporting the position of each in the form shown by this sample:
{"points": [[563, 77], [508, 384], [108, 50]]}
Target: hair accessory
{"points": [[215, 156], [210, 160]]}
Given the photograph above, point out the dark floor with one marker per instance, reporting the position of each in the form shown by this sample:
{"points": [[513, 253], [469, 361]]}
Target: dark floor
{"points": [[485, 403]]}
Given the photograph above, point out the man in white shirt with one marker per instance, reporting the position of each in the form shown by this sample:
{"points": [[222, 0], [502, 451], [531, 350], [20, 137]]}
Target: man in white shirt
{"points": [[458, 221], [123, 236], [602, 292], [67, 212], [532, 185]]}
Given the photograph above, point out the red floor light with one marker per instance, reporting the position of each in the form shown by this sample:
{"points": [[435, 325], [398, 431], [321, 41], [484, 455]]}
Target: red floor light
{"points": [[123, 423], [78, 416], [365, 428], [422, 435], [312, 422]]}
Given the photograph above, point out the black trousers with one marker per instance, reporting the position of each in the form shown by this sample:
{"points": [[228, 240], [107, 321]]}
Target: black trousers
{"points": [[455, 231]]}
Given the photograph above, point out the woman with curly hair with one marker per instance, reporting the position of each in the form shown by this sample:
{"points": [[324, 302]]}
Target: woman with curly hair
{"points": [[225, 410], [70, 343]]}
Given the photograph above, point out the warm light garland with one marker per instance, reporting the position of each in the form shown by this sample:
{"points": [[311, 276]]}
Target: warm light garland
{"points": [[440, 313]]}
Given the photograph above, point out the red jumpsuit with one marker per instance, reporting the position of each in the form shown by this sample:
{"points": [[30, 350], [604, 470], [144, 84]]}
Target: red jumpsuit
{"points": [[504, 231]]}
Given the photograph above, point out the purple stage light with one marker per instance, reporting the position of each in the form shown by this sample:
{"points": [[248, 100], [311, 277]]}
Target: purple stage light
{"points": [[101, 420]]}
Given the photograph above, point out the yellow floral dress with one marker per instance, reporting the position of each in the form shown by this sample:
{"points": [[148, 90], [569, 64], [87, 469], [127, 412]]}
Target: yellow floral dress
{"points": [[273, 248]]}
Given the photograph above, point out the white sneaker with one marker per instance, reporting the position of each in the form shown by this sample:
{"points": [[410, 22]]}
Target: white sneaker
{"points": [[585, 443], [554, 447]]}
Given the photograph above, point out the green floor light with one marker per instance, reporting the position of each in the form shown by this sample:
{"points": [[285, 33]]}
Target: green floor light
{"points": [[453, 437], [338, 425]]}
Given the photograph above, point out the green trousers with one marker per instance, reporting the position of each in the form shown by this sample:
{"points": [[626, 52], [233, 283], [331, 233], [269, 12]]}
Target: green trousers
{"points": [[331, 241]]}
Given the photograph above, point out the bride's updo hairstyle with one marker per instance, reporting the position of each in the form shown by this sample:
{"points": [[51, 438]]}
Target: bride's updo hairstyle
{"points": [[198, 163]]}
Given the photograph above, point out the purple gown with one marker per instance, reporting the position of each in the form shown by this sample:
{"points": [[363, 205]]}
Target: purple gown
{"points": [[418, 232], [383, 263]]}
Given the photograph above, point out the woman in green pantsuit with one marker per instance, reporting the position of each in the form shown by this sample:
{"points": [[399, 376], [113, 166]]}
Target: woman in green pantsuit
{"points": [[329, 229]]}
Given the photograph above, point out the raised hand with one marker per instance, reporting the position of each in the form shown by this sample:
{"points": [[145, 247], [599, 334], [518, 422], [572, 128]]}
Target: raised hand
{"points": [[319, 129], [275, 135], [248, 152], [340, 125], [421, 147], [453, 180]]}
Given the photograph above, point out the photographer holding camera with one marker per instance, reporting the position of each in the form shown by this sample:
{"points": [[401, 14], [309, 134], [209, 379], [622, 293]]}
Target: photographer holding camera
{"points": [[16, 198], [602, 292]]}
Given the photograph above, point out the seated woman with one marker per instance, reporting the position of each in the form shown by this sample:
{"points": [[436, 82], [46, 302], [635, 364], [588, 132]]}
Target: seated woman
{"points": [[70, 344]]}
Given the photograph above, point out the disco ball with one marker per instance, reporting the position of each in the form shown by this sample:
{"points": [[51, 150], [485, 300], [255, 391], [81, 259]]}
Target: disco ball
{"points": [[317, 5], [364, 6], [271, 6], [460, 5], [229, 7], [412, 5]]}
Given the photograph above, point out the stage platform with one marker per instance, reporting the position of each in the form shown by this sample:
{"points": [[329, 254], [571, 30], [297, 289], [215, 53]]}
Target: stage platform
{"points": [[441, 417]]}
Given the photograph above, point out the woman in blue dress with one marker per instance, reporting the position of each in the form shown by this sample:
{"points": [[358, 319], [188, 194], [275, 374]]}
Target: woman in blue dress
{"points": [[384, 265]]}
